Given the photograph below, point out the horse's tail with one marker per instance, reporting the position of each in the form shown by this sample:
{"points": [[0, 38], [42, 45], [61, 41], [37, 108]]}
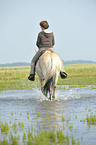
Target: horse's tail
{"points": [[47, 86], [50, 84]]}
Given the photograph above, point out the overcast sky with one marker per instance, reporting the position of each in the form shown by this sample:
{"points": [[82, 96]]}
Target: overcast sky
{"points": [[72, 21]]}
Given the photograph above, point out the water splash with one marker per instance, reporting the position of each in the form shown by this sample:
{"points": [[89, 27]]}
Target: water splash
{"points": [[77, 93], [40, 94], [36, 94]]}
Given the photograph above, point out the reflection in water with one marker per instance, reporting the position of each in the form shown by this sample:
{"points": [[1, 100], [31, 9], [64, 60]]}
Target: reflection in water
{"points": [[67, 110]]}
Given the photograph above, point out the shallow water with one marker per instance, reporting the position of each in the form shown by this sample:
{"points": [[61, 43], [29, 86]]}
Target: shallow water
{"points": [[73, 104]]}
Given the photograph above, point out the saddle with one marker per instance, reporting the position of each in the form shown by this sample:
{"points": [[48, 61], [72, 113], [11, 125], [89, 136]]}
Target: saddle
{"points": [[42, 52]]}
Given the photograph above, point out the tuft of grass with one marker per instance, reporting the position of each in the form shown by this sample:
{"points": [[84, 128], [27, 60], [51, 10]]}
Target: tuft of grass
{"points": [[11, 113], [15, 127], [82, 120], [91, 119], [21, 125], [21, 114], [27, 116], [4, 128], [60, 136], [76, 116], [73, 141], [70, 127], [24, 137], [86, 108], [63, 119], [38, 114]]}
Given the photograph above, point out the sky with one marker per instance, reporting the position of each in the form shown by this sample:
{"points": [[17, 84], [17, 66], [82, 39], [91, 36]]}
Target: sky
{"points": [[73, 23]]}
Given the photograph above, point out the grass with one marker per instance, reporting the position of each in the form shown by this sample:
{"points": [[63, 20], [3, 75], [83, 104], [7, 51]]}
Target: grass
{"points": [[15, 78], [91, 119], [80, 74], [31, 138], [63, 135], [17, 133], [4, 128]]}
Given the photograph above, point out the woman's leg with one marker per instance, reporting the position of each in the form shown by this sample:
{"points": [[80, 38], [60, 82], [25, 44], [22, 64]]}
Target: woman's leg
{"points": [[34, 60], [33, 64]]}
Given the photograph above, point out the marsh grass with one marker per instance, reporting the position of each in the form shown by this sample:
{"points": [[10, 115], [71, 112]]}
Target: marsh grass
{"points": [[63, 119], [31, 137], [42, 138], [50, 136], [15, 78], [4, 128], [91, 119]]}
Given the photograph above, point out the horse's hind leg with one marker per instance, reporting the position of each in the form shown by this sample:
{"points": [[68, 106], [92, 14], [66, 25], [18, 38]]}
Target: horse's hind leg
{"points": [[54, 85], [54, 92], [50, 93]]}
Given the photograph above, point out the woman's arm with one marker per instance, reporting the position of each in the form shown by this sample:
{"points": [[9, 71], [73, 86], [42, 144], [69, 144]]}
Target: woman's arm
{"points": [[38, 43], [53, 40]]}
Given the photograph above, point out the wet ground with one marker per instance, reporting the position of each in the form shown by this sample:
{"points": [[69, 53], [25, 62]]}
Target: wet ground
{"points": [[67, 111]]}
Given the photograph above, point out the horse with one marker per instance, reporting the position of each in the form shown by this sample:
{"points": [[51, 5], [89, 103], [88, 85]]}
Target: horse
{"points": [[48, 68]]}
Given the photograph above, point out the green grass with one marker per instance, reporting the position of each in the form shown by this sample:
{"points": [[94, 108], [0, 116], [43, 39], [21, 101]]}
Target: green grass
{"points": [[91, 119], [11, 131], [17, 133], [4, 128], [80, 74], [15, 78], [50, 137]]}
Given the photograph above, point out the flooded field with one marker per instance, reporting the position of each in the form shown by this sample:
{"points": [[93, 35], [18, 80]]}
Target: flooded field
{"points": [[70, 110]]}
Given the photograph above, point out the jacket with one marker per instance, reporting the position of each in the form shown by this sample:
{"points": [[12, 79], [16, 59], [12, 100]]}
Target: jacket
{"points": [[45, 40]]}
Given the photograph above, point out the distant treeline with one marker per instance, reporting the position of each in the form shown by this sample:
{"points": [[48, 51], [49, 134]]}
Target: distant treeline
{"points": [[15, 64], [77, 62], [28, 64]]}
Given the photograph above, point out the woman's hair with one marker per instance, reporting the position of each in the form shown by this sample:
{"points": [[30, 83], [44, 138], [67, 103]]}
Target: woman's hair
{"points": [[44, 24]]}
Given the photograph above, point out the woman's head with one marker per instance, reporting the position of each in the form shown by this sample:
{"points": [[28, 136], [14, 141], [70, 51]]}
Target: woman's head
{"points": [[44, 24]]}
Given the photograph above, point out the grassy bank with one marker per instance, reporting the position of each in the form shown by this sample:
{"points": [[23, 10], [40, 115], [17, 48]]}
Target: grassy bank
{"points": [[15, 78]]}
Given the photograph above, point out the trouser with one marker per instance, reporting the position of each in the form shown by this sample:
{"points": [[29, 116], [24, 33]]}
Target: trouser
{"points": [[36, 58]]}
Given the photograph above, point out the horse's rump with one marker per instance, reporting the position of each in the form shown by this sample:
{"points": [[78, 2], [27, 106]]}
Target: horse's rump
{"points": [[48, 66]]}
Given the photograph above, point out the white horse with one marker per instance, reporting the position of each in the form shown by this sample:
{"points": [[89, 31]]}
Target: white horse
{"points": [[48, 68]]}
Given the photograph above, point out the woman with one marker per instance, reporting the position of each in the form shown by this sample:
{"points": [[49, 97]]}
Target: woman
{"points": [[45, 41]]}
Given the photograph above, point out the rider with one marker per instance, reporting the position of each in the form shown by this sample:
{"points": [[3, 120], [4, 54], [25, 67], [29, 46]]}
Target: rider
{"points": [[45, 41]]}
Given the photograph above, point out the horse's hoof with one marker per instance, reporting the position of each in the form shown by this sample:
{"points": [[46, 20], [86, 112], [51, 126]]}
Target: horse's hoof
{"points": [[50, 98], [53, 97]]}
